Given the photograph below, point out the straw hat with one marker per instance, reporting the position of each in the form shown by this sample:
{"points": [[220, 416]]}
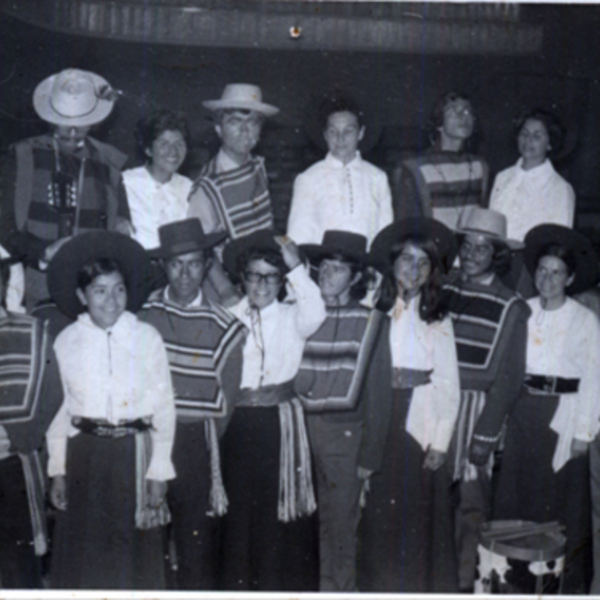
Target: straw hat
{"points": [[68, 261], [346, 243], [489, 223], [73, 97], [244, 96], [586, 264], [182, 237], [381, 249]]}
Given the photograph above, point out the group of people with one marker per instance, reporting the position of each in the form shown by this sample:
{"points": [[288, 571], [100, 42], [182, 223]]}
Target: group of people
{"points": [[317, 409]]}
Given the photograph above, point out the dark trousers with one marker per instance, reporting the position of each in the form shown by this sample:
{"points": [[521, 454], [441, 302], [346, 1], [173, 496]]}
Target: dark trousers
{"points": [[188, 496], [19, 566]]}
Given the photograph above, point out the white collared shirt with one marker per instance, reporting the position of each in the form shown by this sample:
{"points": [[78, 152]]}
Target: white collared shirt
{"points": [[329, 195], [153, 204], [118, 374], [530, 198]]}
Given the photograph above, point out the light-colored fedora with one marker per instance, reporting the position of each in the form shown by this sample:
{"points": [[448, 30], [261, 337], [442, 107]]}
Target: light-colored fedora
{"points": [[491, 224], [73, 97], [244, 96]]}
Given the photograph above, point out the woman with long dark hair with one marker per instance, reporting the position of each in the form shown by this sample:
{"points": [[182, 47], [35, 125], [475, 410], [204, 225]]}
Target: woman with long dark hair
{"points": [[407, 542]]}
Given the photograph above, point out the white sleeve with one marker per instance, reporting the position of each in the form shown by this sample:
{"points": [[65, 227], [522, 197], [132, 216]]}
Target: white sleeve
{"points": [[159, 387], [589, 386], [384, 197], [301, 226], [310, 308], [446, 385]]}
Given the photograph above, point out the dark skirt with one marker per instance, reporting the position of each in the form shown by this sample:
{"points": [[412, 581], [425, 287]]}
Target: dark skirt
{"points": [[96, 544], [259, 552], [529, 489], [407, 538]]}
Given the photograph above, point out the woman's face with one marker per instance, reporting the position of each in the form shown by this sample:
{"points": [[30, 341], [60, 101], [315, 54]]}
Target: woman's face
{"points": [[336, 279], [105, 298], [262, 282], [167, 152], [412, 268], [533, 141], [476, 256], [552, 278]]}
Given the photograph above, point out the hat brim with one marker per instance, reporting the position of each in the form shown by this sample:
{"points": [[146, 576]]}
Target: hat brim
{"points": [[441, 235], [266, 109], [264, 239], [68, 261], [44, 109], [209, 241], [586, 264], [316, 252], [512, 244]]}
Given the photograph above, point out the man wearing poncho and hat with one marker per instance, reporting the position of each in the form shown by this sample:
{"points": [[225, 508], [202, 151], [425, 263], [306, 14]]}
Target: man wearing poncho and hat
{"points": [[339, 384], [30, 394], [204, 346], [231, 194], [62, 183]]}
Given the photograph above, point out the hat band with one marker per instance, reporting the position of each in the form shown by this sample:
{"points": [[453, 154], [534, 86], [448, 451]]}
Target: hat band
{"points": [[483, 232], [183, 248]]}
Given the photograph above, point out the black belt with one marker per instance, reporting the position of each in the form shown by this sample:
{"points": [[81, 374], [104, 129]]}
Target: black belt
{"points": [[102, 428], [552, 385]]}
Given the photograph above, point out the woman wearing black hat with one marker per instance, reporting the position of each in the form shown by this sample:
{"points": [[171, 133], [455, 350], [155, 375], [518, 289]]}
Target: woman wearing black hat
{"points": [[268, 543], [407, 541], [544, 475], [110, 443]]}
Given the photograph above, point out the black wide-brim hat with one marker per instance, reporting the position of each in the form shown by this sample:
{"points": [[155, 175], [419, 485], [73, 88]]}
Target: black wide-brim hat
{"points": [[263, 239], [183, 237], [348, 244], [387, 238], [586, 262], [85, 247]]}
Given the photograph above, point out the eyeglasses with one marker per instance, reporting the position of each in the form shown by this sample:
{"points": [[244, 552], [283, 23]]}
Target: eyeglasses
{"points": [[268, 278], [479, 250]]}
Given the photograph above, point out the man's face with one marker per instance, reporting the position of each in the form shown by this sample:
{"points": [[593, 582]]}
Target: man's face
{"points": [[239, 132], [70, 139], [185, 274], [342, 135], [458, 120]]}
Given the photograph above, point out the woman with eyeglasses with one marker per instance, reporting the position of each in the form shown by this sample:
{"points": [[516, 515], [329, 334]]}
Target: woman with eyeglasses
{"points": [[407, 541], [268, 540], [545, 468]]}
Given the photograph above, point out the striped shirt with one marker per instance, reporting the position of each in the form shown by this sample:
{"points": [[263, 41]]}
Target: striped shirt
{"points": [[200, 340]]}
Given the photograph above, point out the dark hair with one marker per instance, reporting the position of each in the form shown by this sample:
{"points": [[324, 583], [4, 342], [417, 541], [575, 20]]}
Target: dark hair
{"points": [[559, 251], [207, 254], [4, 279], [271, 257], [96, 267], [554, 127], [221, 112], [337, 104], [430, 307], [436, 117], [359, 289], [501, 258], [149, 128]]}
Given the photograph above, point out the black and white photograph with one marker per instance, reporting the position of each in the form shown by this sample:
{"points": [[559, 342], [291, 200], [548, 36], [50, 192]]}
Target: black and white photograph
{"points": [[286, 287]]}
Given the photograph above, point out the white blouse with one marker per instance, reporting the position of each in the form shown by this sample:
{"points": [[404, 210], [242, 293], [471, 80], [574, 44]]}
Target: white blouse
{"points": [[530, 198], [118, 374], [153, 204], [275, 343], [566, 343], [418, 345]]}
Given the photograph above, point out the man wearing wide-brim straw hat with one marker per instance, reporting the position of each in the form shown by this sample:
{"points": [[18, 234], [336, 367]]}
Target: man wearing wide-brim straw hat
{"points": [[231, 194], [64, 182], [490, 328]]}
